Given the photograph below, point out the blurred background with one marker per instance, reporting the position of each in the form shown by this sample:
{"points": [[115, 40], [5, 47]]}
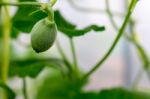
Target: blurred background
{"points": [[122, 66]]}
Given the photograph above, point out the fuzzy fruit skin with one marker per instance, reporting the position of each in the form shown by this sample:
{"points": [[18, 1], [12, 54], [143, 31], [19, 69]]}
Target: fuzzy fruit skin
{"points": [[43, 35]]}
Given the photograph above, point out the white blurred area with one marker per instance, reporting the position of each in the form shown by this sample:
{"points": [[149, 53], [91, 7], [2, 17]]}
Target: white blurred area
{"points": [[122, 66]]}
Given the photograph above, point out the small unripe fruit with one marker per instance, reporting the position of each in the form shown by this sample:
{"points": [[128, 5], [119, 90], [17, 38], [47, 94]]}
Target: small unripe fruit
{"points": [[43, 35]]}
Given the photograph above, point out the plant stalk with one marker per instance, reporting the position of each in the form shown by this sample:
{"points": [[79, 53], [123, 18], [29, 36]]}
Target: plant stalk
{"points": [[91, 10], [75, 61], [66, 60], [21, 4], [132, 39], [28, 3], [25, 94], [6, 43], [137, 79], [6, 29], [53, 2], [110, 15], [120, 33]]}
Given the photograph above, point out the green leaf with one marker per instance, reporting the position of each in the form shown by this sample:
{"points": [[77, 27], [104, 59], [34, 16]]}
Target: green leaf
{"points": [[120, 93], [89, 95], [115, 93], [31, 67], [23, 21], [70, 29], [10, 93], [56, 86], [62, 22]]}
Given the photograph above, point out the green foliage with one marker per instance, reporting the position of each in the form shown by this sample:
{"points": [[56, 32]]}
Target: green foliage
{"points": [[70, 30], [31, 67], [114, 93], [23, 21], [10, 93], [57, 87], [120, 93]]}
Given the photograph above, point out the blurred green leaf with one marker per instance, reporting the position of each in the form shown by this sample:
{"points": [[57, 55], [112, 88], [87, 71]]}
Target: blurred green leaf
{"points": [[89, 95], [62, 22], [10, 93], [115, 93], [70, 29], [58, 87], [120, 93], [18, 21], [31, 67], [23, 21]]}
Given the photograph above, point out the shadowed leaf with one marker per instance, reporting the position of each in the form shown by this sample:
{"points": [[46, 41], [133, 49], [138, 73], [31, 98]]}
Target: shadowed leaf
{"points": [[10, 93], [70, 29], [32, 67]]}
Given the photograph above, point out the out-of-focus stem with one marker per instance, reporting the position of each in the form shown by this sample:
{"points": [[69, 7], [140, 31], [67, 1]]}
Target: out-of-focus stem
{"points": [[25, 94], [53, 2], [137, 79], [75, 62], [26, 3], [120, 33], [91, 10], [6, 29], [68, 64], [132, 39], [21, 4]]}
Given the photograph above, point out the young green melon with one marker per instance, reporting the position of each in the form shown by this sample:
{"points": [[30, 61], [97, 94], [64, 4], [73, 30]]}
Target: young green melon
{"points": [[43, 35]]}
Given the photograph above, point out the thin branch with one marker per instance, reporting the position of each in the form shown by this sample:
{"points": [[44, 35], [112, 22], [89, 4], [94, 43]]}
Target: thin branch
{"points": [[110, 14], [75, 62], [68, 64], [28, 3], [53, 2], [91, 10], [112, 20], [137, 78], [132, 39], [21, 4], [25, 94], [6, 28], [120, 33]]}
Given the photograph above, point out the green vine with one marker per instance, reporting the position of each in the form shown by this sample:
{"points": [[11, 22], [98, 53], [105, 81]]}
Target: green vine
{"points": [[28, 3], [133, 40], [120, 33], [63, 55], [25, 94], [75, 62], [36, 4]]}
